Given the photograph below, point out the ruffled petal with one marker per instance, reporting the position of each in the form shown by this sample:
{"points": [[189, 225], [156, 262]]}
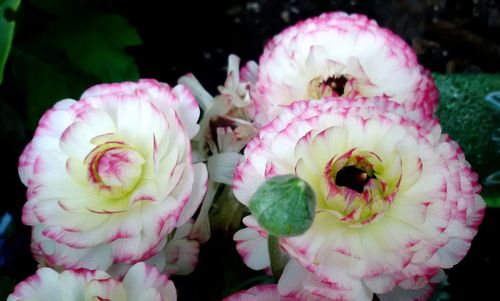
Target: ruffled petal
{"points": [[415, 211], [112, 174]]}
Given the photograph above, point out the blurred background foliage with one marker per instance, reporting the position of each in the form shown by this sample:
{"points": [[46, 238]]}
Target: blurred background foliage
{"points": [[78, 47], [55, 49]]}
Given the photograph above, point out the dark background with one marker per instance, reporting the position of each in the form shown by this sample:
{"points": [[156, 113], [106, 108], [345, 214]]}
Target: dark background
{"points": [[449, 36]]}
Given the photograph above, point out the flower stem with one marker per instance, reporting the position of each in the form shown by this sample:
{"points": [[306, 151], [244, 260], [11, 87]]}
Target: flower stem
{"points": [[278, 261]]}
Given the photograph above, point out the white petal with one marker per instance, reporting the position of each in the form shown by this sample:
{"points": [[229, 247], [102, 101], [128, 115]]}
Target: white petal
{"points": [[221, 167]]}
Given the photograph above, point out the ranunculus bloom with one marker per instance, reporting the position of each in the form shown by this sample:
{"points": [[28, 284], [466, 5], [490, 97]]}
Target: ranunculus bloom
{"points": [[396, 200], [140, 283], [337, 54], [111, 175]]}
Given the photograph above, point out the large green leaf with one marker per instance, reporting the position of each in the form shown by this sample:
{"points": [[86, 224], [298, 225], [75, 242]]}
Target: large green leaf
{"points": [[45, 82], [468, 118], [71, 55], [97, 46], [469, 114], [7, 24]]}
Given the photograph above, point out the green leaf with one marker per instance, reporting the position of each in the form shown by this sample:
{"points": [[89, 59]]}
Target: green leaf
{"points": [[44, 82], [97, 46], [467, 114], [491, 196], [75, 56], [284, 205], [492, 201], [7, 25]]}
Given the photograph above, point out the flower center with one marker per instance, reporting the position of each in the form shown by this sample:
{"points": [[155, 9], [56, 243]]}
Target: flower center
{"points": [[332, 86], [353, 178], [114, 168], [356, 188]]}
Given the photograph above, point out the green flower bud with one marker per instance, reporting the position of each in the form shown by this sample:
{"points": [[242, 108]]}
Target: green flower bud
{"points": [[284, 205]]}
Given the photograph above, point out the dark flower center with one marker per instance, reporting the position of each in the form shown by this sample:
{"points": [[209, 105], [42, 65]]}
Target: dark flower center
{"points": [[332, 86], [335, 84], [357, 187], [353, 178]]}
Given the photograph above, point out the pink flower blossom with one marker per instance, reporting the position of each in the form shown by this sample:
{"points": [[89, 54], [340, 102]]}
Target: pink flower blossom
{"points": [[337, 54], [140, 283], [111, 175], [179, 256], [396, 200]]}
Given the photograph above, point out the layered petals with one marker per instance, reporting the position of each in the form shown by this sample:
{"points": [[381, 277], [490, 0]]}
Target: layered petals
{"points": [[140, 283], [111, 175], [179, 255], [396, 200], [337, 54]]}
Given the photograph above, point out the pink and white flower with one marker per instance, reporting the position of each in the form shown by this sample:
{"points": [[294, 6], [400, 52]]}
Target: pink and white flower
{"points": [[337, 54], [179, 256], [396, 200], [140, 283], [226, 126], [225, 129], [111, 175]]}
